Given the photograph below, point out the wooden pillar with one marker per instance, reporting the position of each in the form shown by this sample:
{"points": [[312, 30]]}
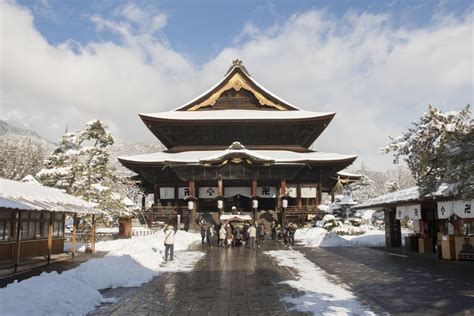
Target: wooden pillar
{"points": [[156, 194], [283, 195], [93, 233], [319, 194], [18, 240], [50, 235], [220, 186], [299, 201], [254, 197], [192, 197], [73, 241]]}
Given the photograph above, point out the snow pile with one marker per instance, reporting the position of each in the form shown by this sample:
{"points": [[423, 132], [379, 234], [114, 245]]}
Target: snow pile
{"points": [[129, 263], [320, 237], [321, 296]]}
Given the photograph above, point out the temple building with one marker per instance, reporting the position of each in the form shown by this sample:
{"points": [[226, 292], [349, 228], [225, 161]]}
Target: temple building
{"points": [[239, 149]]}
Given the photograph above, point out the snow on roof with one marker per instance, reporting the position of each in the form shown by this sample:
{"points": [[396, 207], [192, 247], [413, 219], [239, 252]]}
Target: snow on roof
{"points": [[349, 174], [400, 196], [28, 196], [278, 156], [236, 115]]}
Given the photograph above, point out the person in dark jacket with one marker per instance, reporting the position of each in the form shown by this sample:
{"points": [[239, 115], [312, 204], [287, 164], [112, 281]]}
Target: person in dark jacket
{"points": [[209, 234], [237, 236], [203, 233]]}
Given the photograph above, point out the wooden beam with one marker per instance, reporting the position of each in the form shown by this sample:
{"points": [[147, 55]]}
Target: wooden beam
{"points": [[73, 250], [156, 194], [18, 239], [192, 196], [319, 194], [299, 201], [254, 187], [93, 233], [50, 235]]}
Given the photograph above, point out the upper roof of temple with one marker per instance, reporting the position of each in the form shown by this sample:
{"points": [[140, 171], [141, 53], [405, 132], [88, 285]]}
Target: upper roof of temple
{"points": [[240, 100]]}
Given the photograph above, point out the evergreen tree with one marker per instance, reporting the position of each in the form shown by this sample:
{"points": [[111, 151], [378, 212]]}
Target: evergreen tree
{"points": [[79, 165], [439, 150]]}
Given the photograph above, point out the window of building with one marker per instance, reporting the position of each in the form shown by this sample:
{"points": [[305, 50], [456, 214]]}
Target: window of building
{"points": [[6, 225]]}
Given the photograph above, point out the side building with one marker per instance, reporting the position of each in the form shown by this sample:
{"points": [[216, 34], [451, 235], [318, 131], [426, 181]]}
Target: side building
{"points": [[237, 148]]}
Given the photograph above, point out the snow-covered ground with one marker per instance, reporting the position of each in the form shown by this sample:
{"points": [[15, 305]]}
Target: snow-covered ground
{"points": [[320, 237], [322, 296], [129, 262]]}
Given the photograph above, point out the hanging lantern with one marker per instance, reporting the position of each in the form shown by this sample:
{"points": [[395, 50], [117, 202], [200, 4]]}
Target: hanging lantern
{"points": [[284, 203], [255, 204], [220, 204], [190, 205]]}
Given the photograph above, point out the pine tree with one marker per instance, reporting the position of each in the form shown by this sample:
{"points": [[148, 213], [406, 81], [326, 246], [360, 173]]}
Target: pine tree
{"points": [[79, 165], [438, 150]]}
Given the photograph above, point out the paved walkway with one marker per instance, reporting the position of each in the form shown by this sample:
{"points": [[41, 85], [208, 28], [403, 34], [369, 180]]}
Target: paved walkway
{"points": [[401, 283], [245, 282], [233, 281]]}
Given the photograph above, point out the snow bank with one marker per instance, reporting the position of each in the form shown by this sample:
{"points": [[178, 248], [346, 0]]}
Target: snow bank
{"points": [[321, 296], [319, 237], [129, 262]]}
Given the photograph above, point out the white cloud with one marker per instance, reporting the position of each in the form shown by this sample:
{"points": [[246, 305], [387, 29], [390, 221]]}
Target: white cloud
{"points": [[376, 77]]}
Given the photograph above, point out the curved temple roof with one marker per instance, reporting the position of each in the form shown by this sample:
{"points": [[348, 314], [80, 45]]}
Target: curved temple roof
{"points": [[210, 156], [237, 115]]}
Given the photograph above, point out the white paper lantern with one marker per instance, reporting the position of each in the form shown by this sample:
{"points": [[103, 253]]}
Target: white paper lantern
{"points": [[255, 204], [284, 203], [220, 204], [190, 205]]}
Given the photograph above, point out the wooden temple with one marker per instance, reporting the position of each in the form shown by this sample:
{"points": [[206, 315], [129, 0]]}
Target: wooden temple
{"points": [[237, 148]]}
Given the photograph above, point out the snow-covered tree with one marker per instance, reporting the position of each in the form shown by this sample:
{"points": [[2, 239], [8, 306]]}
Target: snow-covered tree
{"points": [[439, 149], [20, 159], [79, 165]]}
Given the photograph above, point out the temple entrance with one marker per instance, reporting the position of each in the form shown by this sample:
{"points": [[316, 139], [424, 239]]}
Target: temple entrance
{"points": [[242, 203]]}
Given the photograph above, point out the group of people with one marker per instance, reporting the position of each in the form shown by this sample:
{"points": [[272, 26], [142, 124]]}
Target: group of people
{"points": [[228, 235], [284, 233]]}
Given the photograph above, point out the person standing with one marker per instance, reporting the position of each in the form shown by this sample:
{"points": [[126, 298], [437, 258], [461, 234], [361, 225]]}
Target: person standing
{"points": [[222, 234], [273, 228], [252, 236], [228, 235], [261, 235], [203, 233], [209, 234], [237, 236], [291, 234], [245, 234], [169, 242]]}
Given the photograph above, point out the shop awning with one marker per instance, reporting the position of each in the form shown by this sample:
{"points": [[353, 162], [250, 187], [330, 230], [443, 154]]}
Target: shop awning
{"points": [[461, 208], [412, 211]]}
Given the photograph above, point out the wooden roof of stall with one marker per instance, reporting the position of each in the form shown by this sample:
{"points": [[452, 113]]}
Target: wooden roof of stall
{"points": [[237, 108]]}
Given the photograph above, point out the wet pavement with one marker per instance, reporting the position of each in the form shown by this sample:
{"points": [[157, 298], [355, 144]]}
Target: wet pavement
{"points": [[232, 281], [399, 282], [237, 281]]}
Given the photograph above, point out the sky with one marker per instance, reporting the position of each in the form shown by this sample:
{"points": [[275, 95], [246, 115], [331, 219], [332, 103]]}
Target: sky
{"points": [[377, 64]]}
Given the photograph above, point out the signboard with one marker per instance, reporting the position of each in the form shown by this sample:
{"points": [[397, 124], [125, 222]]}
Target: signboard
{"points": [[183, 193], [232, 191], [464, 209], [167, 193], [208, 192], [445, 209], [266, 192], [291, 192], [308, 192]]}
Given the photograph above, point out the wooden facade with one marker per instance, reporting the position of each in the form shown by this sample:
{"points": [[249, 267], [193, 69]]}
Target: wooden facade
{"points": [[229, 143]]}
